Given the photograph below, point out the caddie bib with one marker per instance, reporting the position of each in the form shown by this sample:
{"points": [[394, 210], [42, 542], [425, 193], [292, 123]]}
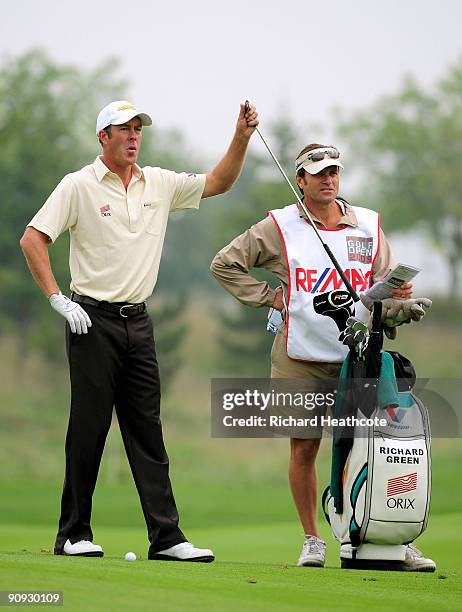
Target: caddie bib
{"points": [[318, 304]]}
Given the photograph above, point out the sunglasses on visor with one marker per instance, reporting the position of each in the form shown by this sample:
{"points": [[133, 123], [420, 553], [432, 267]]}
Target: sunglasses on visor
{"points": [[316, 156]]}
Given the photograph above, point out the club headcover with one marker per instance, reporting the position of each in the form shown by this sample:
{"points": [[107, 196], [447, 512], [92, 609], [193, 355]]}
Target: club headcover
{"points": [[338, 305]]}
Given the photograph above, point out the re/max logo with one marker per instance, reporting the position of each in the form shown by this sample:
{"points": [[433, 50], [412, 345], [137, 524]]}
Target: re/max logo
{"points": [[311, 281]]}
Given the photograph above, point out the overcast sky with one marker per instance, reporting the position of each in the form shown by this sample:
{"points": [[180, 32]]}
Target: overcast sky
{"points": [[190, 63]]}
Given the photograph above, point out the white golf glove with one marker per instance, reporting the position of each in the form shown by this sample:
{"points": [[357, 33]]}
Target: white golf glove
{"points": [[78, 319], [396, 312]]}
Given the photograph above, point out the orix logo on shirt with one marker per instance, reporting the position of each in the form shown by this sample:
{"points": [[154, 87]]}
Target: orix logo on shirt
{"points": [[105, 210], [359, 249]]}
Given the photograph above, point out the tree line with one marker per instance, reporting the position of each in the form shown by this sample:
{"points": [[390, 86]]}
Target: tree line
{"points": [[406, 149]]}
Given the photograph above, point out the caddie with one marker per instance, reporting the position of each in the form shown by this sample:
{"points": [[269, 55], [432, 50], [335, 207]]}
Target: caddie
{"points": [[312, 298], [116, 214]]}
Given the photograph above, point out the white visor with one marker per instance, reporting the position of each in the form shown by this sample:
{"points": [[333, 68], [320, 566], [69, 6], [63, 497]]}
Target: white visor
{"points": [[306, 162]]}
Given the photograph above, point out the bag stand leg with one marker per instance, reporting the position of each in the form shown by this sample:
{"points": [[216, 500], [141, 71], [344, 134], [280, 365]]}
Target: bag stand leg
{"points": [[388, 557]]}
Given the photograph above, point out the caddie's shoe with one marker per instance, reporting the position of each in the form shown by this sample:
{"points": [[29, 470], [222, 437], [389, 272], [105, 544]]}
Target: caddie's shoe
{"points": [[185, 551], [313, 552], [84, 548], [416, 562]]}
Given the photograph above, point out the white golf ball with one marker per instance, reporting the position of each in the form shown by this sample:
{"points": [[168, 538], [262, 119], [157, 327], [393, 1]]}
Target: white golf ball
{"points": [[130, 556]]}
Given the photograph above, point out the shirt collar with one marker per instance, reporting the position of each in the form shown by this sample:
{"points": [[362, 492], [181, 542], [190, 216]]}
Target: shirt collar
{"points": [[101, 170], [348, 214]]}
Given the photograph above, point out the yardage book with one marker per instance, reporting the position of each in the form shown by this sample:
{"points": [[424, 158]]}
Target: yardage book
{"points": [[394, 279]]}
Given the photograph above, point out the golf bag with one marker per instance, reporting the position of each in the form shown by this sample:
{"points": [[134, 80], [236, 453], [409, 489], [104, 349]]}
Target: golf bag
{"points": [[380, 486]]}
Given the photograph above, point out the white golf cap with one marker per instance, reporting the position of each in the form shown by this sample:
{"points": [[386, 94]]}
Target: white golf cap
{"points": [[119, 112], [309, 161]]}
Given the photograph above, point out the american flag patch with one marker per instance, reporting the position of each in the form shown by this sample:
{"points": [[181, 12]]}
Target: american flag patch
{"points": [[402, 484]]}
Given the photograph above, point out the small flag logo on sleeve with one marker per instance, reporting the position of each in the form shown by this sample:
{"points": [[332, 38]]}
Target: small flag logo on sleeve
{"points": [[402, 484]]}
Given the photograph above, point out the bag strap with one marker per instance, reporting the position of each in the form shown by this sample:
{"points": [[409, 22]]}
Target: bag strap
{"points": [[323, 502]]}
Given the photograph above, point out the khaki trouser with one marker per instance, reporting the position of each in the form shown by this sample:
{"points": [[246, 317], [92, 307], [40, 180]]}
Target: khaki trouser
{"points": [[284, 367]]}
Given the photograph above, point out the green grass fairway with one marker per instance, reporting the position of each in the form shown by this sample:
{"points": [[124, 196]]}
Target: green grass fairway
{"points": [[253, 529], [256, 555], [254, 571]]}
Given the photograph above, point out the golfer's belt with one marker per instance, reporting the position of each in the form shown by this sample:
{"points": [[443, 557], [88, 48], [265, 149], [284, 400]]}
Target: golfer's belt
{"points": [[124, 309]]}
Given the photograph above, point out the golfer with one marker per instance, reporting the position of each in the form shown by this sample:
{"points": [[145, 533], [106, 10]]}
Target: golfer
{"points": [[116, 214], [306, 344]]}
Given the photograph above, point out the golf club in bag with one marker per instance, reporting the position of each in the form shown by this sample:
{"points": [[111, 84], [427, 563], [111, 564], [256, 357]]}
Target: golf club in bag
{"points": [[379, 494]]}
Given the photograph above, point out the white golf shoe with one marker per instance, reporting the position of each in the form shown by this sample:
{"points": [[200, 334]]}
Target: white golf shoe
{"points": [[313, 552], [416, 562], [185, 551], [84, 548]]}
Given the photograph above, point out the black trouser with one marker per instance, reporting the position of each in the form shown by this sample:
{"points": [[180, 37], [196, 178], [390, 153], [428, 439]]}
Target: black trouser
{"points": [[115, 365]]}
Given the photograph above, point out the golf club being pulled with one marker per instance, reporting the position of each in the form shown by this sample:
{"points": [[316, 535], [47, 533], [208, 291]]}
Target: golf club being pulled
{"points": [[331, 256]]}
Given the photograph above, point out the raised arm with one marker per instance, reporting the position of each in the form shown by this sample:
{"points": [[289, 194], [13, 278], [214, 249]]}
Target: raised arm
{"points": [[225, 173]]}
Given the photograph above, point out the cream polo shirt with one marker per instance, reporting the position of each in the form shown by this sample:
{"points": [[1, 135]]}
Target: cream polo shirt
{"points": [[116, 235]]}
